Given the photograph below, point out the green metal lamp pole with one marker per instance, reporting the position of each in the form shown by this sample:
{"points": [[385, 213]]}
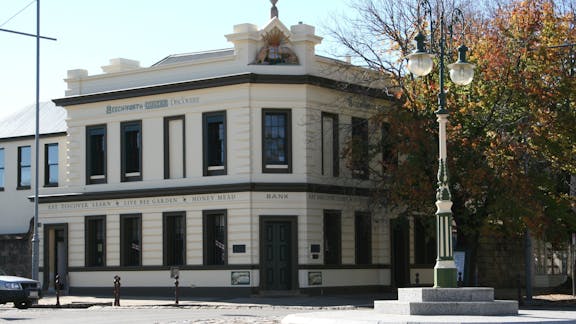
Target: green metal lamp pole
{"points": [[461, 73]]}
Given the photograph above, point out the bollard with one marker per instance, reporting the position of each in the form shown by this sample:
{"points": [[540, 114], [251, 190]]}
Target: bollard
{"points": [[57, 286], [417, 280], [176, 288], [116, 290], [460, 282], [519, 284]]}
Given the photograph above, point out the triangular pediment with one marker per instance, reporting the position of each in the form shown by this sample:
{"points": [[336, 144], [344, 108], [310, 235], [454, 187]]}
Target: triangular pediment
{"points": [[273, 24]]}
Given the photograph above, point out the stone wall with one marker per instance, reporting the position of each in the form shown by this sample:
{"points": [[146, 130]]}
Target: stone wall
{"points": [[16, 254], [500, 260]]}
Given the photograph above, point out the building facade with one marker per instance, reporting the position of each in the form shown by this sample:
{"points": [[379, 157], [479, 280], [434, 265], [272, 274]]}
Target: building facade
{"points": [[224, 166]]}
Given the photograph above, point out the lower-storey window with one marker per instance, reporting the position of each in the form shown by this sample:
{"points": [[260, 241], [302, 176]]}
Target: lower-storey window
{"points": [[363, 237], [131, 240], [174, 238], [95, 235], [215, 237], [332, 237], [424, 241]]}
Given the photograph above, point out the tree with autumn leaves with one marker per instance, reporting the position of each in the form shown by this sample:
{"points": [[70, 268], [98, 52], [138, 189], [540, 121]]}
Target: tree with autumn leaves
{"points": [[512, 132]]}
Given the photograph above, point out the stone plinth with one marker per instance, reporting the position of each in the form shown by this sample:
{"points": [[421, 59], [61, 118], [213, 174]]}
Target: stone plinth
{"points": [[446, 301]]}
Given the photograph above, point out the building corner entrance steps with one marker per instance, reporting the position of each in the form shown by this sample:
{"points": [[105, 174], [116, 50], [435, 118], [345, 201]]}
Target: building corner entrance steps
{"points": [[447, 301]]}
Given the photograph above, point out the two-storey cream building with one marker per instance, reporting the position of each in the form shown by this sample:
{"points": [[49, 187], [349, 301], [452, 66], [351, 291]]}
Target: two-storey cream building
{"points": [[226, 165]]}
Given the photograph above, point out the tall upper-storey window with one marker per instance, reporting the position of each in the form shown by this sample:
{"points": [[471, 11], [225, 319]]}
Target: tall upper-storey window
{"points": [[96, 154], [330, 154], [359, 148], [131, 137], [174, 147], [51, 165], [276, 141], [24, 167], [214, 143], [2, 163]]}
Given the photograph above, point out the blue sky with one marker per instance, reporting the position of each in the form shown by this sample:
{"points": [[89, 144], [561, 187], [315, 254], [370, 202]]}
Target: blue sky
{"points": [[89, 33]]}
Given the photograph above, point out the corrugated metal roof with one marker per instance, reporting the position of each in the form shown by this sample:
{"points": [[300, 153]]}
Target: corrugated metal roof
{"points": [[189, 57], [23, 122]]}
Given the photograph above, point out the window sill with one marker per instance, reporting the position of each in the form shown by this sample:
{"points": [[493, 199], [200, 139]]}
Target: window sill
{"points": [[277, 168]]}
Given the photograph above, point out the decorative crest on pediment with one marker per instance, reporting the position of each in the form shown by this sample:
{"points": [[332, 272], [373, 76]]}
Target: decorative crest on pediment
{"points": [[276, 49]]}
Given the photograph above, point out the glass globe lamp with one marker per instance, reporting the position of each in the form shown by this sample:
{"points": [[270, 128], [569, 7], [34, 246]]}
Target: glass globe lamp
{"points": [[420, 64], [461, 72]]}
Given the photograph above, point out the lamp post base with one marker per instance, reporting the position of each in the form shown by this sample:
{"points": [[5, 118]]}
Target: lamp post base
{"points": [[445, 277]]}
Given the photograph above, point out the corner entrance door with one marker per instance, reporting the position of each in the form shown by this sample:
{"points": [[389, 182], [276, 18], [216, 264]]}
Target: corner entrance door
{"points": [[55, 255], [400, 252], [278, 253]]}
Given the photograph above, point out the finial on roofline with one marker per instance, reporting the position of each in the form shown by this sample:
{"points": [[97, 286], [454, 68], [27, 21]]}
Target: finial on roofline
{"points": [[274, 10]]}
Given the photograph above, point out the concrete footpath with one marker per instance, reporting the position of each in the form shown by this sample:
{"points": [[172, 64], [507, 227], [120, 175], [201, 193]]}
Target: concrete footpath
{"points": [[352, 301], [334, 302]]}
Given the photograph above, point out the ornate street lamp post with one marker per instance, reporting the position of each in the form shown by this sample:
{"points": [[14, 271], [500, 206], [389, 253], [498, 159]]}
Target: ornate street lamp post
{"points": [[420, 64]]}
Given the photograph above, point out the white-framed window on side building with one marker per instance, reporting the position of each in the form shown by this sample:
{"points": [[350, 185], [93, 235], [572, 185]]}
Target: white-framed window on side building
{"points": [[276, 141], [96, 154], [51, 165], [214, 143], [24, 167], [174, 147], [131, 150]]}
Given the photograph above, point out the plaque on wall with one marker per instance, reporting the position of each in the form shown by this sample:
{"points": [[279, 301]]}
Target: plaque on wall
{"points": [[239, 248], [314, 278], [240, 278], [315, 248]]}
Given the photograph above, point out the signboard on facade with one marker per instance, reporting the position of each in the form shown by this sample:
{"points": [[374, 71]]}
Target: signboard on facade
{"points": [[151, 105]]}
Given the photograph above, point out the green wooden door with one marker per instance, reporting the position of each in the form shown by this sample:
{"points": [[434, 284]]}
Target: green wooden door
{"points": [[277, 249]]}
